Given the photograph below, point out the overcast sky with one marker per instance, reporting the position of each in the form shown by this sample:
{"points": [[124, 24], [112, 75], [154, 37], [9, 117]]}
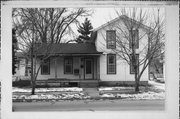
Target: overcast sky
{"points": [[103, 15]]}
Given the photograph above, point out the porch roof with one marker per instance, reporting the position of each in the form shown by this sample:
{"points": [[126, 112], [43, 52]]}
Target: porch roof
{"points": [[68, 49]]}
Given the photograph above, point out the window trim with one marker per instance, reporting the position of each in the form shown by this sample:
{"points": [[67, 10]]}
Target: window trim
{"points": [[107, 46], [130, 66], [65, 58], [108, 64], [48, 63]]}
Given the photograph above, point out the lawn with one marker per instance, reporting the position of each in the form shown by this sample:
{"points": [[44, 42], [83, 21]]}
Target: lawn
{"points": [[154, 91]]}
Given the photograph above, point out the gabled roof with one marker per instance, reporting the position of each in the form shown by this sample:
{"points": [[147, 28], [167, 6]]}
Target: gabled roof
{"points": [[122, 17], [68, 48]]}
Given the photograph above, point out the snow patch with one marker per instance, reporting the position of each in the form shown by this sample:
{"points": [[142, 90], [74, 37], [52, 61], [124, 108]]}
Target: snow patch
{"points": [[114, 88], [107, 95], [157, 85], [139, 96], [28, 90], [52, 96]]}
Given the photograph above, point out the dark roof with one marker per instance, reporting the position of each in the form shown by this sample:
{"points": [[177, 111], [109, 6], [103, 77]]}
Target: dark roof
{"points": [[68, 48]]}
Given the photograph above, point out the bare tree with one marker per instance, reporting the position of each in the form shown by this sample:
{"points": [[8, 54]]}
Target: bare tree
{"points": [[39, 27], [136, 43]]}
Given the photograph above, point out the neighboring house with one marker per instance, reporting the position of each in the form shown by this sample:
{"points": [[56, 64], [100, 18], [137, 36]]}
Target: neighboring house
{"points": [[157, 69], [90, 64], [23, 67]]}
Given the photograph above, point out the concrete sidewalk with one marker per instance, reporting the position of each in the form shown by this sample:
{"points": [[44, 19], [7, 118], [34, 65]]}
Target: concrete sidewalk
{"points": [[93, 92]]}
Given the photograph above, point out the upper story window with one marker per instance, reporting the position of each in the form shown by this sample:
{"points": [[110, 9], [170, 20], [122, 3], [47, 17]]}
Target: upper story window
{"points": [[45, 67], [68, 65], [111, 39], [111, 64], [134, 39]]}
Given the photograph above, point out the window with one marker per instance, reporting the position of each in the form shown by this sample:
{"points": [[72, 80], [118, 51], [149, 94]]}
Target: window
{"points": [[111, 64], [134, 36], [45, 67], [132, 71], [68, 65], [111, 39]]}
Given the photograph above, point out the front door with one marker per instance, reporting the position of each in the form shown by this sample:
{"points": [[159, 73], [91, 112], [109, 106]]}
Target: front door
{"points": [[88, 69]]}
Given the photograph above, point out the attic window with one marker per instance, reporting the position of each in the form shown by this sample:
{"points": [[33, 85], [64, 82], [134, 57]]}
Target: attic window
{"points": [[111, 39]]}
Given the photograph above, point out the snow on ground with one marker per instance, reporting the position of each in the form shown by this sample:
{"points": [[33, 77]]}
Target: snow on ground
{"points": [[149, 95], [154, 91], [114, 88], [108, 95], [157, 85], [64, 96], [28, 90], [152, 84], [139, 96]]}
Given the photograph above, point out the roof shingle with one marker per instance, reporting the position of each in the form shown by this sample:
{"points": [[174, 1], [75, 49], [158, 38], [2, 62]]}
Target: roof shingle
{"points": [[68, 48]]}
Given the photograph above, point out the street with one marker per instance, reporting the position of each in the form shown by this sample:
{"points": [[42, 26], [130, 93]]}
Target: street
{"points": [[81, 105]]}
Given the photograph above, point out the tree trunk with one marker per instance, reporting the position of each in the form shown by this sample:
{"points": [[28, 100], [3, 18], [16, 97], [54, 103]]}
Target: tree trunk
{"points": [[136, 78], [33, 84], [33, 88], [137, 86], [136, 83], [34, 76], [32, 73]]}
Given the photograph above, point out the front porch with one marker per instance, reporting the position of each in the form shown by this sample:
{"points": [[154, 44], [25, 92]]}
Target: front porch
{"points": [[72, 63], [80, 70]]}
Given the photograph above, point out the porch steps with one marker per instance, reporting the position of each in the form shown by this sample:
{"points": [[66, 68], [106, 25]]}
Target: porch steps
{"points": [[90, 84]]}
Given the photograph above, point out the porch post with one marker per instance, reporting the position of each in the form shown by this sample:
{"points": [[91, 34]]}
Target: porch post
{"points": [[98, 68], [55, 62], [93, 68], [84, 67]]}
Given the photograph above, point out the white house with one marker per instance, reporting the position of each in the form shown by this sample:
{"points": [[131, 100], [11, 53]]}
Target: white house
{"points": [[118, 71], [91, 64], [23, 68]]}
